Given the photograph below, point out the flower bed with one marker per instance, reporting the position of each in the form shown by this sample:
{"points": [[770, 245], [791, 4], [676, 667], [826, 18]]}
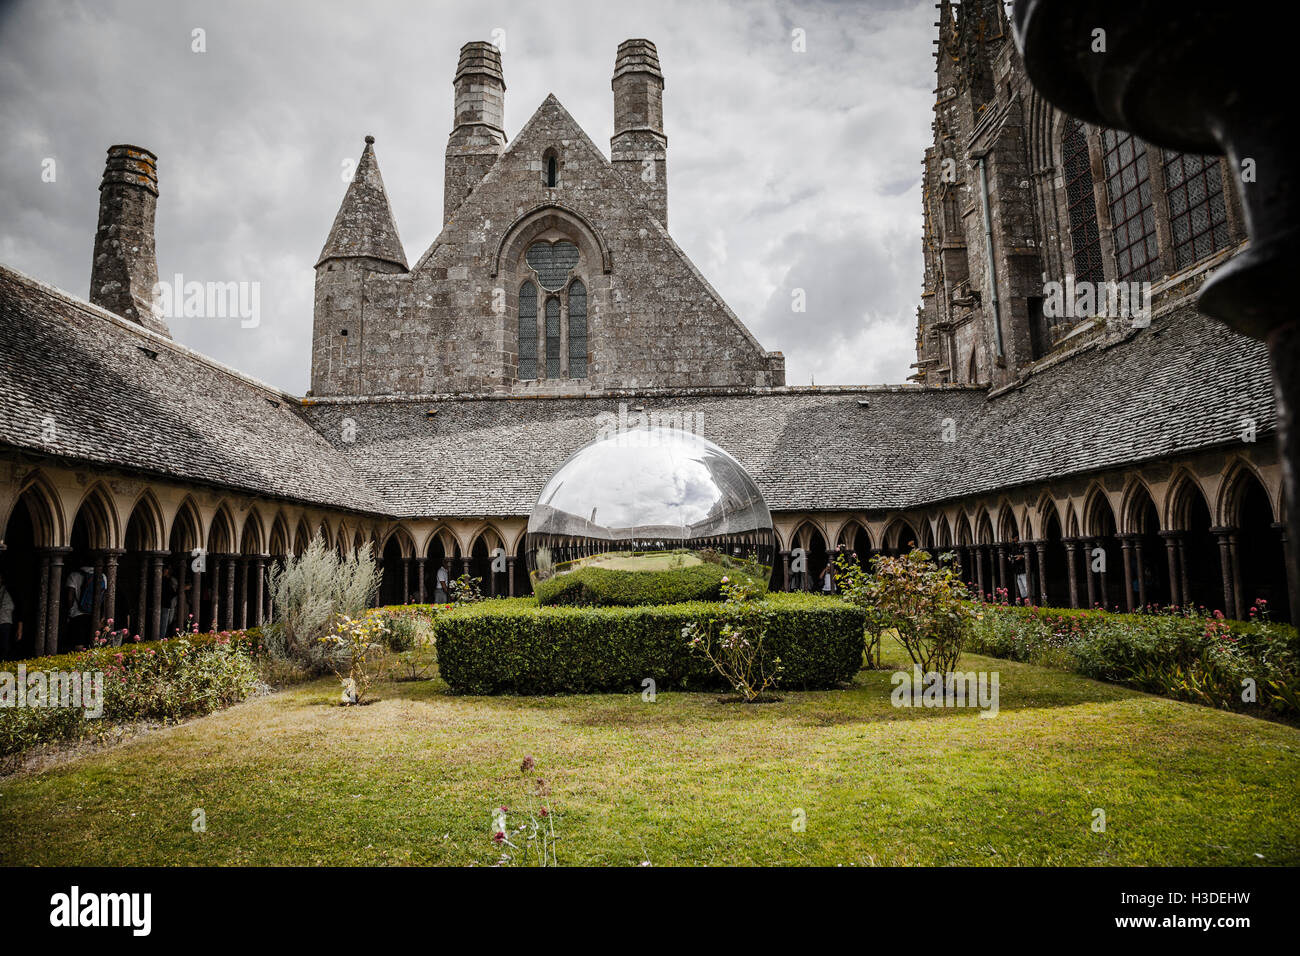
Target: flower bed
{"points": [[183, 676], [1204, 659]]}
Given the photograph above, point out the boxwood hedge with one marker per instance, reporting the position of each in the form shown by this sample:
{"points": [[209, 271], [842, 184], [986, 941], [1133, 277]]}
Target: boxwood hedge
{"points": [[604, 587], [514, 646]]}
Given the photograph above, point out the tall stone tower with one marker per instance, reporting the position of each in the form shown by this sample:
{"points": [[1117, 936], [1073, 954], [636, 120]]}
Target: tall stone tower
{"points": [[639, 148], [362, 245], [125, 267], [478, 136]]}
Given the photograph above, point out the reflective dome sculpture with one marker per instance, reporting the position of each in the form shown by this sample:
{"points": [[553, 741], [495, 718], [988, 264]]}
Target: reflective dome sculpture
{"points": [[650, 498]]}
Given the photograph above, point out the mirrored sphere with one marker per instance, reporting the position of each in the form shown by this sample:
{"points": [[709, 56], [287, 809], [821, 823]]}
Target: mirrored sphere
{"points": [[648, 490]]}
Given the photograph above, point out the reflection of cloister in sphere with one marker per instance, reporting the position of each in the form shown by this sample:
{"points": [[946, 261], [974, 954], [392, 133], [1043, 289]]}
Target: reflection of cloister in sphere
{"points": [[624, 500]]}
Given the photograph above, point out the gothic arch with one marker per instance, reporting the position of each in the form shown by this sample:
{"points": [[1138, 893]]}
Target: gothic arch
{"points": [[1227, 509], [278, 543], [221, 533], [251, 538], [99, 514], [188, 524], [543, 218], [1096, 509], [1136, 497], [150, 524], [42, 502], [1180, 499]]}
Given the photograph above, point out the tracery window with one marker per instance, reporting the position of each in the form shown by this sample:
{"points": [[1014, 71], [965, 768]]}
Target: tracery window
{"points": [[577, 330], [558, 348], [1132, 216], [1198, 213], [528, 331], [1084, 235], [552, 337]]}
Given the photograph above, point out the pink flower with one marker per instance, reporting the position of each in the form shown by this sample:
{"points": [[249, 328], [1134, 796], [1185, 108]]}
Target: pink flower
{"points": [[498, 838]]}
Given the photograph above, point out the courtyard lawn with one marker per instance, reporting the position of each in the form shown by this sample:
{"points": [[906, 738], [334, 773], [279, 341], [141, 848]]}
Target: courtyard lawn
{"points": [[413, 779], [622, 561]]}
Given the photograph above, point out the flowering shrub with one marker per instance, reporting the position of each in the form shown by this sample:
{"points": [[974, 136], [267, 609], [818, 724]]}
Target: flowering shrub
{"points": [[533, 838], [166, 680], [923, 601], [736, 652], [466, 589], [355, 652], [1205, 659]]}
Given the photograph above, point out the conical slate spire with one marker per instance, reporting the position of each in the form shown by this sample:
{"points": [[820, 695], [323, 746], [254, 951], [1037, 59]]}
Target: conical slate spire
{"points": [[364, 225]]}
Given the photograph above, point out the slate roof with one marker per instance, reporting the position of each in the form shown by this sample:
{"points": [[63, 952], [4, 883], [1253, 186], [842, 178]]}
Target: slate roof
{"points": [[1183, 384], [364, 225], [85, 372]]}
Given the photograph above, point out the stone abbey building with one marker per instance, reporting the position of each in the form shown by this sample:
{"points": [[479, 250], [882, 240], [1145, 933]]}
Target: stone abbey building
{"points": [[1125, 445]]}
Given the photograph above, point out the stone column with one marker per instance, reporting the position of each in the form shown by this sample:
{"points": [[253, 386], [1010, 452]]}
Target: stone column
{"points": [[259, 581], [1182, 570], [155, 606], [243, 591], [419, 579], [785, 570], [228, 613], [1291, 576], [1141, 571], [1227, 549], [1001, 564], [43, 605], [196, 589], [1041, 547], [1176, 598], [1072, 568], [215, 601], [142, 598], [1088, 574], [979, 571], [510, 573], [464, 565], [97, 606], [55, 617], [1126, 543], [110, 572], [406, 580]]}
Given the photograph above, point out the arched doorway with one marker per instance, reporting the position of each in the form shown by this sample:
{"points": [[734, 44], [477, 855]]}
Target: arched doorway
{"points": [[1262, 562]]}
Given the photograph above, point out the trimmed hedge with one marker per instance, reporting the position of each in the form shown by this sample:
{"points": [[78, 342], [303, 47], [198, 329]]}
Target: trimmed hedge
{"points": [[515, 647], [606, 587]]}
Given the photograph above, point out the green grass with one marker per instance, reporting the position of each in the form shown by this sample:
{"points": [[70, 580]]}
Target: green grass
{"points": [[291, 779], [623, 561]]}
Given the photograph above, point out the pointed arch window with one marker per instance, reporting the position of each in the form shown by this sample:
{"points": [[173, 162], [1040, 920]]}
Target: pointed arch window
{"points": [[577, 330], [1084, 236], [552, 337], [1198, 215], [528, 331], [1128, 192]]}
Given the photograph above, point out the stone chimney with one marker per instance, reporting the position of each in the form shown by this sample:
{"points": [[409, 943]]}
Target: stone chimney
{"points": [[639, 148], [478, 135], [125, 269]]}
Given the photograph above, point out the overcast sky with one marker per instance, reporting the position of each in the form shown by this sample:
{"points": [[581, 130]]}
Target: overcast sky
{"points": [[786, 170]]}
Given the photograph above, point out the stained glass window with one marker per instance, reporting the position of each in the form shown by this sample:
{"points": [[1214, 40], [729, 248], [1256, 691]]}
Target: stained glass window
{"points": [[1084, 236], [1198, 214], [552, 261], [528, 331], [1133, 218], [552, 337], [577, 330]]}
